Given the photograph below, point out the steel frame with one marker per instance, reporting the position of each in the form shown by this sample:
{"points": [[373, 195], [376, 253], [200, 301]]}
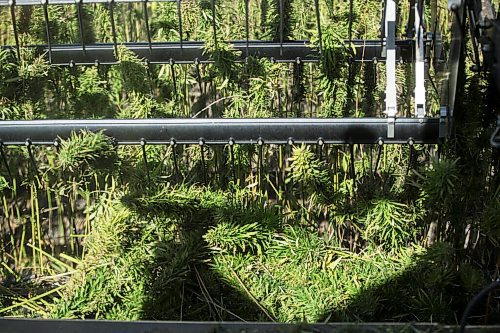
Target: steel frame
{"points": [[186, 52], [193, 52], [220, 131], [224, 131]]}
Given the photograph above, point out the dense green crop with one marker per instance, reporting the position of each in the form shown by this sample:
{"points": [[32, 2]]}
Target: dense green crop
{"points": [[281, 233]]}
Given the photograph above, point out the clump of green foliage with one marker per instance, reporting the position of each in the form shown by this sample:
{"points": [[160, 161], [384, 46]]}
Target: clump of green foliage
{"points": [[286, 233], [86, 150]]}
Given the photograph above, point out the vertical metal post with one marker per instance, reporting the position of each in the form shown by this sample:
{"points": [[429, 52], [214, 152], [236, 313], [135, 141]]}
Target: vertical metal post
{"points": [[146, 19], [80, 24], [34, 165], [177, 173], [174, 77], [350, 20], [419, 62], [145, 158], [179, 18], [214, 25], [203, 165], [14, 26], [233, 164], [318, 24], [113, 27], [281, 27], [47, 28], [391, 107], [247, 26]]}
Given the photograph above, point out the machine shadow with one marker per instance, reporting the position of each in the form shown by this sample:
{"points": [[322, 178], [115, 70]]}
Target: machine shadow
{"points": [[183, 286]]}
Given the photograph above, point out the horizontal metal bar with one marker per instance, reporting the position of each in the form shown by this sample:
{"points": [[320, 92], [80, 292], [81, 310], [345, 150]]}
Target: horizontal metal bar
{"points": [[15, 325], [220, 131], [72, 2], [190, 52]]}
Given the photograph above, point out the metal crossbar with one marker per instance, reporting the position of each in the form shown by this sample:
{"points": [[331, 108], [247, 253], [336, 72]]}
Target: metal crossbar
{"points": [[104, 326], [193, 52], [190, 51], [221, 131]]}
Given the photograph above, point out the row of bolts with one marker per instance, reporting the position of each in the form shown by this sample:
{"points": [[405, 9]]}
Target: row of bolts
{"points": [[201, 143]]}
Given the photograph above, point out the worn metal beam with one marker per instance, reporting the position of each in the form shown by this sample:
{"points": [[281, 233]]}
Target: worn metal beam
{"points": [[221, 131], [14, 325], [191, 52], [71, 2]]}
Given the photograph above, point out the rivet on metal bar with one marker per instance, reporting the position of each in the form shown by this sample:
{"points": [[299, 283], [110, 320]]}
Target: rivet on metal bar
{"points": [[201, 142], [47, 28], [57, 144], [173, 144], [260, 162], [231, 157], [34, 165], [282, 26], [146, 21], [174, 77], [214, 25], [145, 158], [318, 24], [80, 24], [290, 141], [247, 26], [321, 144], [4, 159], [12, 4], [179, 18], [113, 27], [379, 154], [411, 143]]}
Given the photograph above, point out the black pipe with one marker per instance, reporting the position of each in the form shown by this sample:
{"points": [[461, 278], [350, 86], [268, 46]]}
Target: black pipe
{"points": [[193, 51], [218, 131]]}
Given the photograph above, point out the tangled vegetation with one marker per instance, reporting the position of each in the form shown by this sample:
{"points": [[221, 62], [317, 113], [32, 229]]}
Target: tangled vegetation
{"points": [[290, 233]]}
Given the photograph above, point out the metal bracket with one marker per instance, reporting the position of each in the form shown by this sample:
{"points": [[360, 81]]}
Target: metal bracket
{"points": [[455, 4], [391, 108], [420, 100], [443, 122]]}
